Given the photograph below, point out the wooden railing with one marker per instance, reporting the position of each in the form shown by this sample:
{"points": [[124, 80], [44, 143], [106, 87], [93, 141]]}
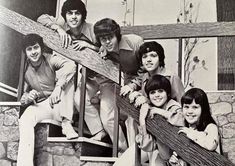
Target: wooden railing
{"points": [[165, 132], [87, 57], [168, 134]]}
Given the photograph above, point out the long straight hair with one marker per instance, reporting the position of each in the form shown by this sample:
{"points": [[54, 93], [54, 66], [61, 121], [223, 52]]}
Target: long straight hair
{"points": [[200, 97]]}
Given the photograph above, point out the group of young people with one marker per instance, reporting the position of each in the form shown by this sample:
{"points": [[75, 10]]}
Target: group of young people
{"points": [[50, 93]]}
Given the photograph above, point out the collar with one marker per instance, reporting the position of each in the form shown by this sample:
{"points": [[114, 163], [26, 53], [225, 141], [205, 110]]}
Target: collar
{"points": [[85, 29], [162, 71], [124, 44]]}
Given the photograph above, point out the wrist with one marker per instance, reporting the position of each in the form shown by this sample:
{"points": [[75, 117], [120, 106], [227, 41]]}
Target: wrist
{"points": [[132, 86], [56, 27]]}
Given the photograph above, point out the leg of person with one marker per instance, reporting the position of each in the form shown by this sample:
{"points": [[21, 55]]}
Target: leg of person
{"points": [[92, 117], [127, 158], [63, 111], [32, 115], [164, 153], [107, 108], [131, 130]]}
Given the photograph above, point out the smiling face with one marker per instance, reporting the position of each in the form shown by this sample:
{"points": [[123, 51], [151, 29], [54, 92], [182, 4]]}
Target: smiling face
{"points": [[34, 53], [73, 18], [158, 97], [150, 61], [192, 113], [109, 42]]}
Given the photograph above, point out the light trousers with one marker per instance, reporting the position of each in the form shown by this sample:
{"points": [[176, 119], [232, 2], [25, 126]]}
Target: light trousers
{"points": [[107, 109], [92, 117], [35, 114]]}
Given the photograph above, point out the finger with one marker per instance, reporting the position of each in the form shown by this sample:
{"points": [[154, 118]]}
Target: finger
{"points": [[175, 154], [76, 47], [63, 41], [181, 131], [125, 93], [70, 40]]}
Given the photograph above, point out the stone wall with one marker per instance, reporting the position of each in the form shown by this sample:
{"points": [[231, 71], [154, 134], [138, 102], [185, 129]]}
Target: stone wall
{"points": [[46, 154], [223, 110], [9, 135], [58, 154]]}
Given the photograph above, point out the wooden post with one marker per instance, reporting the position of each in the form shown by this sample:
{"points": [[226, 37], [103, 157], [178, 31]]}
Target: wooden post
{"points": [[82, 101], [226, 47]]}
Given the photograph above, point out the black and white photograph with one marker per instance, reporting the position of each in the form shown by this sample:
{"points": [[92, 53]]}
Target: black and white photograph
{"points": [[117, 83]]}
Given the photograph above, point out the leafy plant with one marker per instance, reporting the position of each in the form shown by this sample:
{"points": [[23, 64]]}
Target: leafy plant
{"points": [[192, 62]]}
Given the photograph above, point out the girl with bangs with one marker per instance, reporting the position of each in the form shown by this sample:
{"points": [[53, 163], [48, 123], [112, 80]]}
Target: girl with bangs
{"points": [[158, 90], [200, 127]]}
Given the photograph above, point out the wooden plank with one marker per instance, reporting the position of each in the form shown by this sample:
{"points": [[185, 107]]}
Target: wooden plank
{"points": [[80, 139], [87, 57], [168, 134], [9, 104], [8, 87], [102, 159], [21, 76], [171, 31], [226, 47], [8, 92]]}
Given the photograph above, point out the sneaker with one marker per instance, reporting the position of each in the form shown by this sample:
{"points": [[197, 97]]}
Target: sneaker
{"points": [[68, 131]]}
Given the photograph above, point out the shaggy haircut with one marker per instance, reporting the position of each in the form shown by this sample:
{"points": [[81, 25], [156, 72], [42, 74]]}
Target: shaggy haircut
{"points": [[158, 82], [30, 40], [74, 5], [105, 27], [153, 46]]}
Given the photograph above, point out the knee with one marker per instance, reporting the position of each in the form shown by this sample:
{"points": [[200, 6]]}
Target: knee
{"points": [[27, 118]]}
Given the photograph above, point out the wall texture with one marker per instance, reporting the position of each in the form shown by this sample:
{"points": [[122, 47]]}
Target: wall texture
{"points": [[58, 154]]}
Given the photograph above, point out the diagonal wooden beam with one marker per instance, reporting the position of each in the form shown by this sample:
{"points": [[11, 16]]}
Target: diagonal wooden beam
{"points": [[87, 57], [190, 30], [168, 134]]}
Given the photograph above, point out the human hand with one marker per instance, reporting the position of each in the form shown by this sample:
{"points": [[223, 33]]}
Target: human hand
{"points": [[55, 96], [140, 100], [80, 44], [103, 53], [125, 90], [174, 161], [134, 95], [29, 97], [143, 113], [64, 37], [153, 111], [190, 132]]}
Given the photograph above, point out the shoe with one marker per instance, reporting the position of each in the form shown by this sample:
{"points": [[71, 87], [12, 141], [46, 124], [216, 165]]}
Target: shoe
{"points": [[68, 131], [98, 136]]}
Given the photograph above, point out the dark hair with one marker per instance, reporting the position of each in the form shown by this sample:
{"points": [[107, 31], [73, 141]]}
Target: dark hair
{"points": [[158, 82], [74, 5], [200, 97], [105, 27], [152, 46], [32, 39]]}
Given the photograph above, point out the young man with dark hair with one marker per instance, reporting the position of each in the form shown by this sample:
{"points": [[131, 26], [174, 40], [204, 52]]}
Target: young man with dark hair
{"points": [[122, 49], [78, 33], [47, 96]]}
